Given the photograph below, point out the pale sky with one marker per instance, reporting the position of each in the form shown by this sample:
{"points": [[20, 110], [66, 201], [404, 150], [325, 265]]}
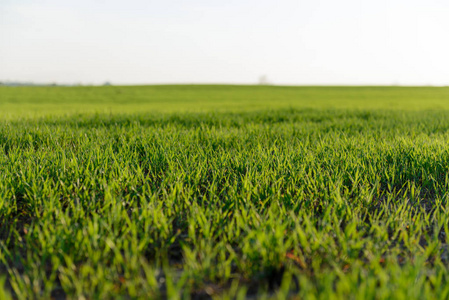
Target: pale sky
{"points": [[229, 41]]}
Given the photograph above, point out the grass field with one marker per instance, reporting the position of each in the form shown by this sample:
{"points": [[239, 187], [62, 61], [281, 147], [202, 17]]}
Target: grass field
{"points": [[224, 192]]}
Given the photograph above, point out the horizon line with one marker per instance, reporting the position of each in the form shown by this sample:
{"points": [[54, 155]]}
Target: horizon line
{"points": [[13, 83]]}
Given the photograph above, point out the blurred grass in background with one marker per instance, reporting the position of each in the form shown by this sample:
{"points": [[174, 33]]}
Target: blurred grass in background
{"points": [[39, 101]]}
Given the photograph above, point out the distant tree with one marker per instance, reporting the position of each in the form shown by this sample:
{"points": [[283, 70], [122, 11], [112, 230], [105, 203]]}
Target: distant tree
{"points": [[263, 80], [107, 83]]}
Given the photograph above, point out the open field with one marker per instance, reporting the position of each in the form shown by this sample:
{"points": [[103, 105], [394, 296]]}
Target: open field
{"points": [[43, 101], [224, 192]]}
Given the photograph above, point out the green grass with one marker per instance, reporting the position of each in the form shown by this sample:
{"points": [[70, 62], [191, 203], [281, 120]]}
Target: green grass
{"points": [[44, 101], [224, 192]]}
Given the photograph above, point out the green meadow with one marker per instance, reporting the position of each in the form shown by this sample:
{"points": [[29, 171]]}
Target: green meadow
{"points": [[20, 102], [224, 192]]}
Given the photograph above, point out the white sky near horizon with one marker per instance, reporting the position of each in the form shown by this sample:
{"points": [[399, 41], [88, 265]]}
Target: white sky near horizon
{"points": [[347, 42]]}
